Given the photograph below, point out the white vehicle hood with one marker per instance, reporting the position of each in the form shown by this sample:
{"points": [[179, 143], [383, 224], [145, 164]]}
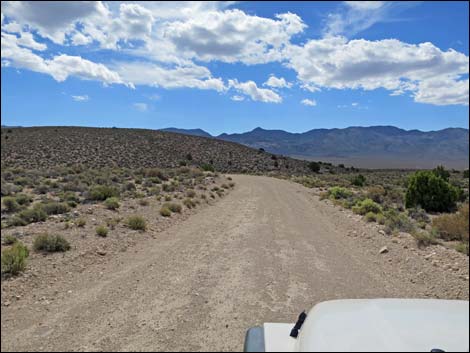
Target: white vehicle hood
{"points": [[378, 325]]}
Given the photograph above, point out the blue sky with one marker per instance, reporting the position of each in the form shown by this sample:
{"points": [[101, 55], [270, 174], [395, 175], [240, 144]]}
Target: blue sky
{"points": [[189, 65]]}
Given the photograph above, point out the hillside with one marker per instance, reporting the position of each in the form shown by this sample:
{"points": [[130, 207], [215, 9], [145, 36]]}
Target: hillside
{"points": [[44, 147], [193, 132]]}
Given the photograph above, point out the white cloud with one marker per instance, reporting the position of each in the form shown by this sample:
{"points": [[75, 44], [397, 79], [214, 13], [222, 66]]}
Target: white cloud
{"points": [[440, 91], [257, 94], [309, 102], [276, 82], [237, 98], [335, 62], [142, 73], [80, 39], [354, 104], [365, 5], [83, 98], [141, 107], [59, 67], [232, 36]]}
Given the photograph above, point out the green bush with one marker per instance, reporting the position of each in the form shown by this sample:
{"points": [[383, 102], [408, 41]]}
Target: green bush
{"points": [[80, 222], [34, 214], [314, 167], [366, 206], [466, 173], [102, 231], [9, 240], [189, 203], [173, 207], [370, 217], [112, 203], [10, 204], [395, 220], [165, 212], [424, 238], [207, 167], [102, 192], [14, 259], [23, 199], [359, 180], [440, 171], [431, 192], [337, 192], [53, 207], [136, 223], [50, 243]]}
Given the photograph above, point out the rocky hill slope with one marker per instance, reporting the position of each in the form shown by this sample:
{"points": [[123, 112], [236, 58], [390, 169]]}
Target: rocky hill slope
{"points": [[44, 147]]}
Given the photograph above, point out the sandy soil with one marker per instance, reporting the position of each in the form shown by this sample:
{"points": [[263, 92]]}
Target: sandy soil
{"points": [[265, 252]]}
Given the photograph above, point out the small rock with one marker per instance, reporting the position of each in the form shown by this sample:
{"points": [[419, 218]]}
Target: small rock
{"points": [[7, 303], [382, 232], [394, 240], [427, 257], [383, 250], [101, 252]]}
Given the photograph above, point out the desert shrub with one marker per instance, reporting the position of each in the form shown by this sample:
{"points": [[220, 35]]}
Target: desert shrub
{"points": [[173, 207], [431, 192], [50, 243], [23, 199], [380, 218], [424, 238], [112, 203], [102, 192], [165, 211], [10, 204], [136, 223], [102, 231], [129, 186], [23, 181], [190, 193], [189, 203], [337, 192], [314, 167], [41, 189], [366, 206], [34, 214], [359, 180], [463, 248], [440, 171], [370, 217], [143, 202], [453, 226], [207, 167], [80, 222], [466, 173], [168, 197], [395, 220], [9, 240], [70, 196], [155, 172], [376, 193], [53, 207], [225, 186], [14, 259], [231, 184], [418, 214]]}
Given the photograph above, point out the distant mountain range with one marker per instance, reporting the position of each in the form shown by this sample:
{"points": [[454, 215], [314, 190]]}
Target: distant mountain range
{"points": [[367, 147]]}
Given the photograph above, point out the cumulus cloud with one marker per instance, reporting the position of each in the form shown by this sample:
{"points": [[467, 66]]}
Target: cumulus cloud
{"points": [[60, 67], [233, 36], [335, 62], [276, 82], [254, 92], [309, 102], [141, 107], [83, 98], [237, 98], [150, 74]]}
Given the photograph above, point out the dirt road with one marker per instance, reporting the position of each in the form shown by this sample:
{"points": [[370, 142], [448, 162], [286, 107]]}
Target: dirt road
{"points": [[264, 253]]}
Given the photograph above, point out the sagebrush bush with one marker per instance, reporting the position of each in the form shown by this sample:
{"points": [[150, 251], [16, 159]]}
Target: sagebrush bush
{"points": [[34, 214], [453, 226], [424, 238], [431, 192], [112, 203], [14, 259], [338, 192], [53, 207], [9, 240], [23, 199], [80, 222], [395, 220], [102, 231], [173, 207], [10, 204], [136, 223], [370, 217], [376, 193], [418, 214], [207, 167], [165, 212], [189, 203], [102, 192], [51, 243], [314, 167], [366, 206]]}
